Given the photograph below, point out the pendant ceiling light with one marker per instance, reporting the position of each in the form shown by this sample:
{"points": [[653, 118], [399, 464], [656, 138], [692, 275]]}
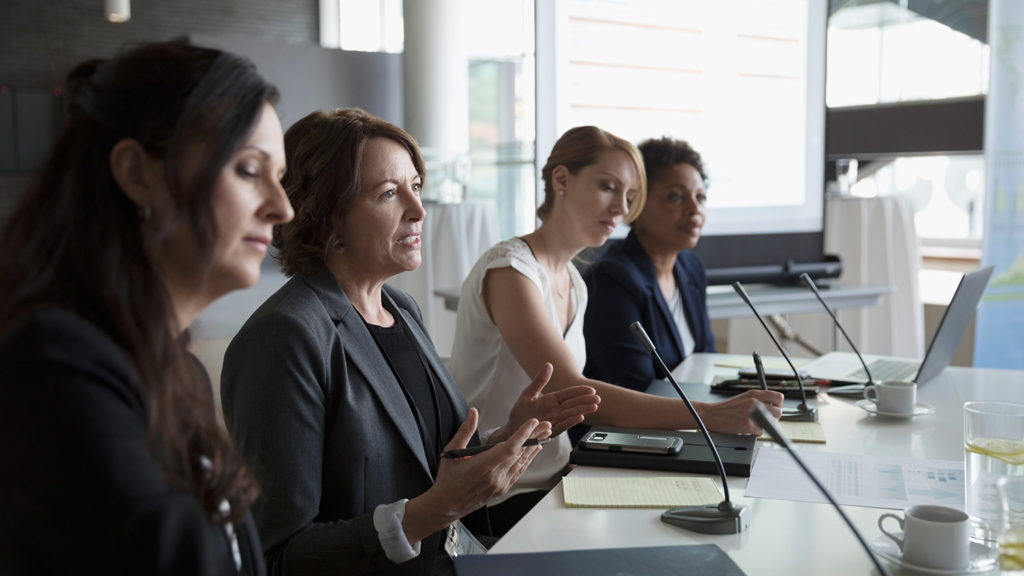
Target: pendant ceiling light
{"points": [[118, 10]]}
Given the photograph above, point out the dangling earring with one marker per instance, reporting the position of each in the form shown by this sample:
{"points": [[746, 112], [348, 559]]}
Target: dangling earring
{"points": [[145, 213]]}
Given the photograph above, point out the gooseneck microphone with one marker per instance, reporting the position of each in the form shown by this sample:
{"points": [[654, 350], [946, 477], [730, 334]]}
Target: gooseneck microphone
{"points": [[803, 412], [810, 284], [726, 517], [765, 420]]}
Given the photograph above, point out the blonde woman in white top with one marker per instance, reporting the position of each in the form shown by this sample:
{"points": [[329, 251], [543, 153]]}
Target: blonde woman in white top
{"points": [[523, 305]]}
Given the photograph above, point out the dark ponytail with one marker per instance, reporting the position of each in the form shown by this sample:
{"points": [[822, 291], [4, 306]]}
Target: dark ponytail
{"points": [[75, 239]]}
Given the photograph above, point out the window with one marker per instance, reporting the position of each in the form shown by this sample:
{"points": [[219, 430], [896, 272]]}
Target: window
{"points": [[498, 36], [882, 53], [948, 194], [741, 80], [501, 110], [362, 25]]}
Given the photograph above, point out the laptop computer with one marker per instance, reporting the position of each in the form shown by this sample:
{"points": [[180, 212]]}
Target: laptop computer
{"points": [[845, 367]]}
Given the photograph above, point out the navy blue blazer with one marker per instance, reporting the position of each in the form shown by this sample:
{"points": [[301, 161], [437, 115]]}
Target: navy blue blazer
{"points": [[623, 288]]}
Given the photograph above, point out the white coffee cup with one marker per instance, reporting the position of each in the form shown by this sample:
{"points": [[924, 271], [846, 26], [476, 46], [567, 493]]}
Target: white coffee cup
{"points": [[933, 536], [893, 396]]}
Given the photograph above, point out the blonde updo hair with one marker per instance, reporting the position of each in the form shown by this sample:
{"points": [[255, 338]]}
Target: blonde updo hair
{"points": [[580, 147]]}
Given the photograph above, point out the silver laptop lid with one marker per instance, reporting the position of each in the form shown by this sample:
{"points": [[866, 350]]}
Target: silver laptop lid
{"points": [[954, 324]]}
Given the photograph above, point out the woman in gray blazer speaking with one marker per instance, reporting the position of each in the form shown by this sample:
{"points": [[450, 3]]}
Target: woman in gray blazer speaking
{"points": [[333, 390]]}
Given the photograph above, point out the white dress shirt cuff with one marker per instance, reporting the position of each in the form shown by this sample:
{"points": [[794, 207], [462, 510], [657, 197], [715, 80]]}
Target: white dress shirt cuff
{"points": [[387, 520]]}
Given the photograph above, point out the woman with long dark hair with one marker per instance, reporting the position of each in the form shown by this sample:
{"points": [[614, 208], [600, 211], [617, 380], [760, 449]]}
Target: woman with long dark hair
{"points": [[159, 197]]}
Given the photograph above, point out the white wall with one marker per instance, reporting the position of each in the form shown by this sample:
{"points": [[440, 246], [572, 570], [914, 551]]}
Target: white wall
{"points": [[313, 78]]}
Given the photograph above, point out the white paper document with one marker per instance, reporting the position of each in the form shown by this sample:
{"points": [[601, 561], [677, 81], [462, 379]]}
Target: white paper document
{"points": [[857, 480]]}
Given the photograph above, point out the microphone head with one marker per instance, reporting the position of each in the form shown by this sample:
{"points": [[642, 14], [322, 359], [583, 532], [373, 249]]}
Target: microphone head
{"points": [[641, 335], [742, 293]]}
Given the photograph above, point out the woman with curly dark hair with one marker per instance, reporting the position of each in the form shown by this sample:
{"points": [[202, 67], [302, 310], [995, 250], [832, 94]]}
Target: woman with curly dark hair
{"points": [[653, 276], [159, 197]]}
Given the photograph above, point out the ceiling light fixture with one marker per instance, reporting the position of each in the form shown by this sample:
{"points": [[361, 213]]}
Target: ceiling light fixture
{"points": [[118, 11]]}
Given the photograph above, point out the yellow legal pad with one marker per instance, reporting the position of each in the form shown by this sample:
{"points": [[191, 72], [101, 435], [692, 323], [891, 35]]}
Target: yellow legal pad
{"points": [[648, 492], [809, 432]]}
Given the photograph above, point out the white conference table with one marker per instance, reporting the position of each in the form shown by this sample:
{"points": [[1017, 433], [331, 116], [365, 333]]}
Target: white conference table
{"points": [[783, 537]]}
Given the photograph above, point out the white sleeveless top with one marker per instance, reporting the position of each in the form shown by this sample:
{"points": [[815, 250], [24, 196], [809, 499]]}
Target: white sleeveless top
{"points": [[486, 370]]}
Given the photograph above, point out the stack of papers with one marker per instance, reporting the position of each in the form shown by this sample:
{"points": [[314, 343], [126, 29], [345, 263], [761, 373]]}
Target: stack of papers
{"points": [[646, 492], [857, 479]]}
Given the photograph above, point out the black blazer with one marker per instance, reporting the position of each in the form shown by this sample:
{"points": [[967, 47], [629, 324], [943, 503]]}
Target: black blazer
{"points": [[623, 288], [80, 492], [324, 424]]}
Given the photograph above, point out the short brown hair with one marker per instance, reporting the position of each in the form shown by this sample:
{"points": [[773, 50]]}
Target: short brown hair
{"points": [[578, 148], [324, 152]]}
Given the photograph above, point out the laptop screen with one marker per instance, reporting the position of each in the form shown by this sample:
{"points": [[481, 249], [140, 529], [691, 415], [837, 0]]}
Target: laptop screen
{"points": [[954, 324]]}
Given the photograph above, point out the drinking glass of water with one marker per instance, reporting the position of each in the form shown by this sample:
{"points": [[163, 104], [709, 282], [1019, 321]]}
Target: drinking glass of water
{"points": [[993, 448]]}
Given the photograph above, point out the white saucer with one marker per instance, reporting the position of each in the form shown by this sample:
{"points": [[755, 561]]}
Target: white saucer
{"points": [[983, 559], [872, 408]]}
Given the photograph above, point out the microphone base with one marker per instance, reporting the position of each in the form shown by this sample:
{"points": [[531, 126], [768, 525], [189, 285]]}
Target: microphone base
{"points": [[800, 414], [710, 519]]}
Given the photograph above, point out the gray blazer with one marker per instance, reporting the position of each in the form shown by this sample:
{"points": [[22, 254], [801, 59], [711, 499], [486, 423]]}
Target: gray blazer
{"points": [[325, 427]]}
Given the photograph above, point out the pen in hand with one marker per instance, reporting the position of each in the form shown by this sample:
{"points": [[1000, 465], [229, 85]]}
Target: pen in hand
{"points": [[462, 452], [760, 371]]}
